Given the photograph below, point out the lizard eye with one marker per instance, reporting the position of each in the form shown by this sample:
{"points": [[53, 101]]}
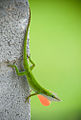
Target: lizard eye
{"points": [[52, 96]]}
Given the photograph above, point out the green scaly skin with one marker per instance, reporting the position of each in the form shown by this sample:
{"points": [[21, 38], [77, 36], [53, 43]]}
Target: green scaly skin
{"points": [[35, 86]]}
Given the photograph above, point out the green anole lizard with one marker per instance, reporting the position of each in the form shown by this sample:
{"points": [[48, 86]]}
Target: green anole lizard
{"points": [[43, 94]]}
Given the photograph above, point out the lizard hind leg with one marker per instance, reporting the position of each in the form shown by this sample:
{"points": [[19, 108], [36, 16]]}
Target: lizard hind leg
{"points": [[17, 70]]}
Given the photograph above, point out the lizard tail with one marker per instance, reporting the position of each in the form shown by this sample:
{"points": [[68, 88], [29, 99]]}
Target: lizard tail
{"points": [[25, 42]]}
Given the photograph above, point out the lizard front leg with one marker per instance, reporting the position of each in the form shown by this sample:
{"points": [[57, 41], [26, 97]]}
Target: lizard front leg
{"points": [[33, 64]]}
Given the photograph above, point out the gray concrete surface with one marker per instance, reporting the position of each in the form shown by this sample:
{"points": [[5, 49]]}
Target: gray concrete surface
{"points": [[13, 89]]}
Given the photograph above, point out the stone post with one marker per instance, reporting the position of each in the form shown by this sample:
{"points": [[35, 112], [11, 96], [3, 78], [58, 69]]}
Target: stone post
{"points": [[13, 89]]}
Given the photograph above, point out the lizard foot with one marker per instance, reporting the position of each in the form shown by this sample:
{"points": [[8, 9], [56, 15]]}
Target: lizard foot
{"points": [[27, 99]]}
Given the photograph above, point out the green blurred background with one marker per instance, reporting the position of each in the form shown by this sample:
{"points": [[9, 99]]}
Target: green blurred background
{"points": [[55, 47]]}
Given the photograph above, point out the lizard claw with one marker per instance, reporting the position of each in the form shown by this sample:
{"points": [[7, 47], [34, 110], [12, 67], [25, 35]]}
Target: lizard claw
{"points": [[14, 61], [9, 63]]}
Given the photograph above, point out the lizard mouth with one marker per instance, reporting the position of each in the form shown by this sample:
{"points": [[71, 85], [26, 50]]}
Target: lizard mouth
{"points": [[55, 98]]}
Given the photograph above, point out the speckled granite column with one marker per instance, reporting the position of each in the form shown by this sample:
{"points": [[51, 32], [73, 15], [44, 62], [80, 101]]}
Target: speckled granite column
{"points": [[13, 89]]}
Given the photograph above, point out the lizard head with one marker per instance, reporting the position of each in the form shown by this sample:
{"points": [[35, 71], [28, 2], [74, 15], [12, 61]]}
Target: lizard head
{"points": [[51, 96], [47, 97]]}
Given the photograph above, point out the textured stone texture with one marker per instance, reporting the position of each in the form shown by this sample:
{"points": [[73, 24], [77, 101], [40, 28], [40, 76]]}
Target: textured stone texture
{"points": [[13, 89]]}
